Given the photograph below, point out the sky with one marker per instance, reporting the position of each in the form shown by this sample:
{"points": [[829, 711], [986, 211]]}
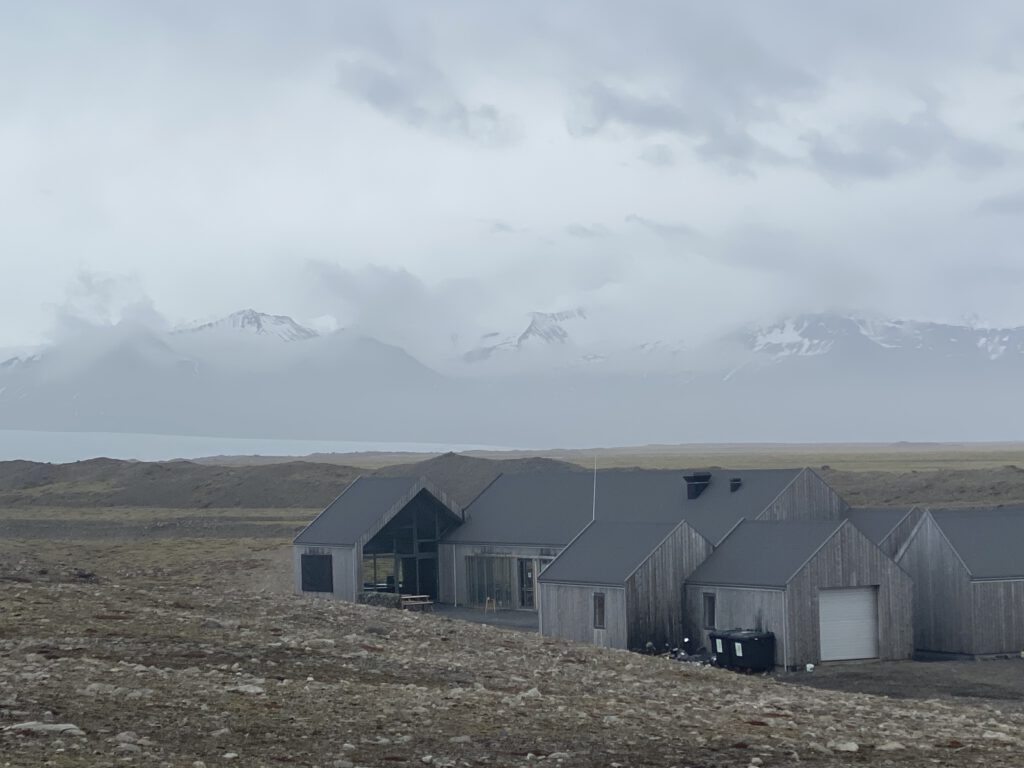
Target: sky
{"points": [[427, 170]]}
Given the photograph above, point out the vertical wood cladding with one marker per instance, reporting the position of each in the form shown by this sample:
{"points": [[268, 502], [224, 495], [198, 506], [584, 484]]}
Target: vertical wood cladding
{"points": [[808, 497], [998, 617], [738, 608], [568, 612], [654, 591], [943, 597], [850, 559]]}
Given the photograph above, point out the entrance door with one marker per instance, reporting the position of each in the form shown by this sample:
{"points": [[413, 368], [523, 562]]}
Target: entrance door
{"points": [[526, 575], [848, 623]]}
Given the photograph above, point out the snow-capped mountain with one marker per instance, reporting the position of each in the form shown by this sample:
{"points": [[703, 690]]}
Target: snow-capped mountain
{"points": [[543, 328], [823, 334], [555, 381], [255, 323]]}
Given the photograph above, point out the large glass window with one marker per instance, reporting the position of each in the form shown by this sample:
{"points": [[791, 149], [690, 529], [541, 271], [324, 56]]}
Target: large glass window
{"points": [[709, 610], [317, 573], [490, 577]]}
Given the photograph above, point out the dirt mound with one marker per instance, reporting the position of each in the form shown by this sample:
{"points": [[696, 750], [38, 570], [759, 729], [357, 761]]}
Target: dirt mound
{"points": [[188, 485]]}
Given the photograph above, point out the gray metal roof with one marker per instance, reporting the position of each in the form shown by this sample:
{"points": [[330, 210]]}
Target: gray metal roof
{"points": [[989, 541], [552, 507], [607, 552], [876, 522], [356, 510], [762, 553], [718, 509]]}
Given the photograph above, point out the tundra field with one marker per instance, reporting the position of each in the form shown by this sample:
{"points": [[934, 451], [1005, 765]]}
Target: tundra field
{"points": [[165, 634]]}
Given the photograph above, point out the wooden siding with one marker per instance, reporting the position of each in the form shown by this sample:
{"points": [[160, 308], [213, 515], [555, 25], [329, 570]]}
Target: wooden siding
{"points": [[998, 619], [808, 497], [343, 570], [943, 598], [898, 536], [849, 559], [654, 591], [567, 611], [739, 608], [452, 566]]}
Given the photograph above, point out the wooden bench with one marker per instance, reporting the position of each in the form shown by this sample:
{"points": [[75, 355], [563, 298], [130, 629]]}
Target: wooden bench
{"points": [[417, 603]]}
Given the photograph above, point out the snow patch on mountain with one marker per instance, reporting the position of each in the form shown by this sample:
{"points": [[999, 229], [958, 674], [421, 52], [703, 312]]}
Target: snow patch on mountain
{"points": [[255, 323], [544, 327]]}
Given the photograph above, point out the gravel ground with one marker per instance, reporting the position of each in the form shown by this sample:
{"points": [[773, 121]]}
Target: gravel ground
{"points": [[190, 653]]}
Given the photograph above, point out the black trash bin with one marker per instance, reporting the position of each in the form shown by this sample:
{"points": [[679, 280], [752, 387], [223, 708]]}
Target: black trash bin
{"points": [[752, 650], [721, 647]]}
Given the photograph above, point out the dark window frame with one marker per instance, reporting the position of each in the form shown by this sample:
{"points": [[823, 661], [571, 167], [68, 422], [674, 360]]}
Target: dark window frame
{"points": [[710, 610], [315, 577], [599, 611]]}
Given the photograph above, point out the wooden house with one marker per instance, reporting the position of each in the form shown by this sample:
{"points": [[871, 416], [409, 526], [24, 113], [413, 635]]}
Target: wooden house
{"points": [[825, 590], [968, 571]]}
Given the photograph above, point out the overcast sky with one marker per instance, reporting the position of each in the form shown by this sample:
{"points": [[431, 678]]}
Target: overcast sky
{"points": [[430, 168]]}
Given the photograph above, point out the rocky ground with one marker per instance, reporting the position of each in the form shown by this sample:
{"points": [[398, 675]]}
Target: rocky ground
{"points": [[191, 652]]}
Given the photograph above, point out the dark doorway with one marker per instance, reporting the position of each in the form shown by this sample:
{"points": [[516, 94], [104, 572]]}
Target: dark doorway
{"points": [[317, 573], [526, 573]]}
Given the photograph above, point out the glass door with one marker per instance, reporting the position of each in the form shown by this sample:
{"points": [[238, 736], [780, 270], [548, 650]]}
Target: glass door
{"points": [[526, 586]]}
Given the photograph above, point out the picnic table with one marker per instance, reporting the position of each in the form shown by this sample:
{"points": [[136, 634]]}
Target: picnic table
{"points": [[417, 602]]}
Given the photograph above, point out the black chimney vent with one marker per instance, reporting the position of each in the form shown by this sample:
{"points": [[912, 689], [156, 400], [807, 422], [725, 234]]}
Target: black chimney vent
{"points": [[734, 484], [696, 483]]}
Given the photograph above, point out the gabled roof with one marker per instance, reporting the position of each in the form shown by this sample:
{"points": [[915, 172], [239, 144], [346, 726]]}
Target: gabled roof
{"points": [[364, 507], [550, 508], [607, 552], [877, 522], [718, 508], [761, 553], [989, 541]]}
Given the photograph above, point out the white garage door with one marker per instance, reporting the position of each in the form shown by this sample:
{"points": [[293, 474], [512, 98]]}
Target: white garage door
{"points": [[849, 623]]}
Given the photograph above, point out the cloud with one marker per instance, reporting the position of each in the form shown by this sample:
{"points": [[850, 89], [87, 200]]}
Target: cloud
{"points": [[97, 299], [421, 97], [1007, 204], [585, 232], [658, 155], [663, 230], [883, 147]]}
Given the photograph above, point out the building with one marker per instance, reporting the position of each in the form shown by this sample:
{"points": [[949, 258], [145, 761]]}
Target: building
{"points": [[620, 582], [968, 570], [381, 533], [825, 590]]}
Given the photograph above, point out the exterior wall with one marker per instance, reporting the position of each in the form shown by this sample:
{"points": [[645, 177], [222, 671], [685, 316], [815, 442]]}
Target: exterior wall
{"points": [[998, 619], [568, 612], [850, 559], [452, 566], [808, 497], [654, 591], [343, 569], [898, 536], [739, 608], [943, 597]]}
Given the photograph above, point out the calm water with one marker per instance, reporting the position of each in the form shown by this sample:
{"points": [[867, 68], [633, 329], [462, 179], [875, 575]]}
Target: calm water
{"points": [[60, 447]]}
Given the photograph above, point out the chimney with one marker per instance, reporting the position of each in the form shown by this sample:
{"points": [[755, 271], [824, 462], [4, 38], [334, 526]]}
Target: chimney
{"points": [[734, 484], [696, 483]]}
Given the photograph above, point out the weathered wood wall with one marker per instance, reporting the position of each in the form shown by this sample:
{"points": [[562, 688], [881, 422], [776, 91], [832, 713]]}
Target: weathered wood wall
{"points": [[452, 566], [808, 497], [898, 536], [850, 559], [998, 619], [568, 612], [739, 608], [943, 598], [344, 562], [654, 591]]}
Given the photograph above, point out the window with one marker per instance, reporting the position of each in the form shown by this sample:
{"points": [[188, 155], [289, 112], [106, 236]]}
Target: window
{"points": [[709, 611], [599, 610], [317, 573]]}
